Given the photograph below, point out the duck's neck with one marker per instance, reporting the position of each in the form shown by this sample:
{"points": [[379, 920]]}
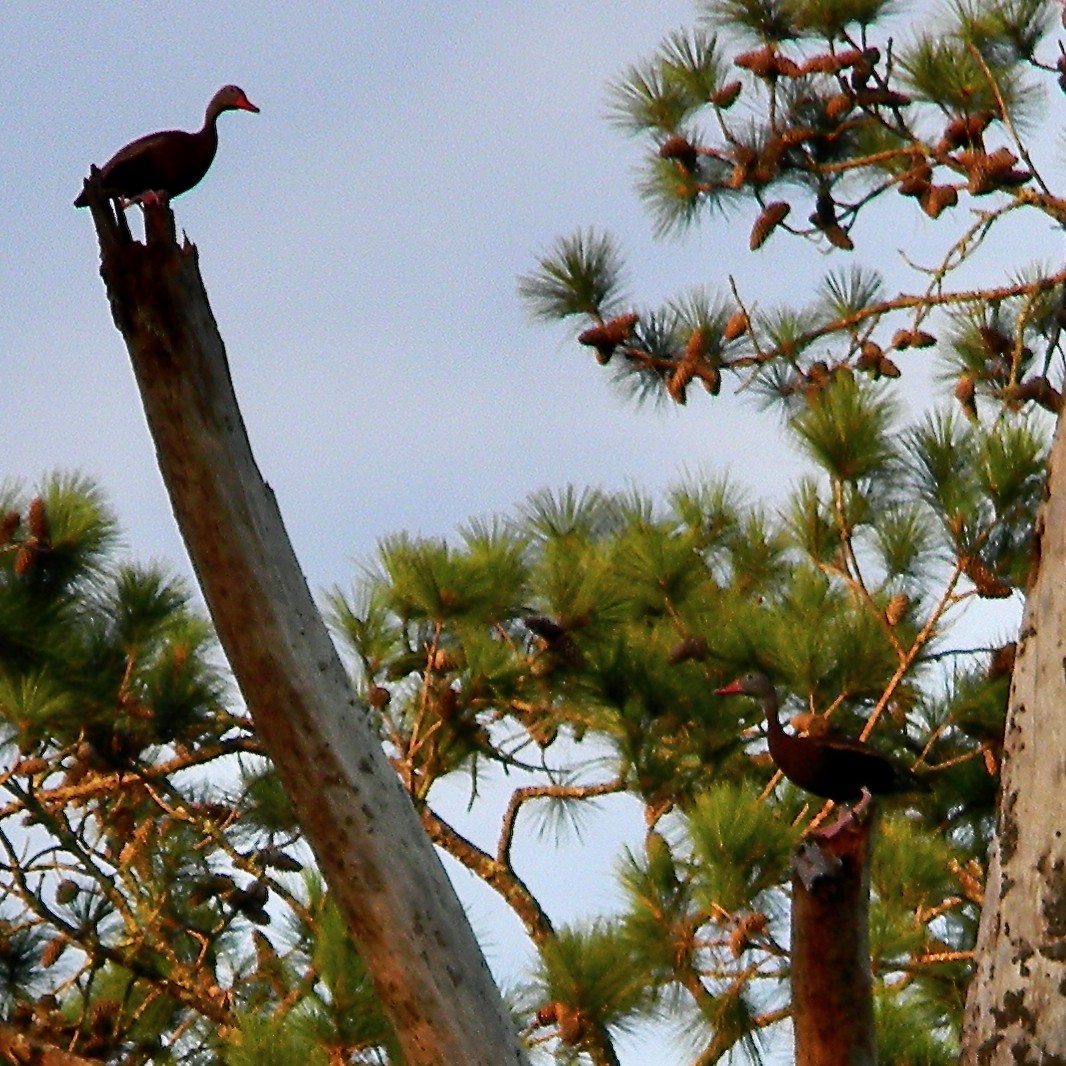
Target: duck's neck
{"points": [[771, 708], [210, 119]]}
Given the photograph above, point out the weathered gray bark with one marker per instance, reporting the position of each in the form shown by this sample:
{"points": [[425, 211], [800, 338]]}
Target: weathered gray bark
{"points": [[832, 983], [381, 868], [1016, 1009]]}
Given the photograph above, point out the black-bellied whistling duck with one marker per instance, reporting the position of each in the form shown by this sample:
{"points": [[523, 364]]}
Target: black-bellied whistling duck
{"points": [[837, 768], [166, 164]]}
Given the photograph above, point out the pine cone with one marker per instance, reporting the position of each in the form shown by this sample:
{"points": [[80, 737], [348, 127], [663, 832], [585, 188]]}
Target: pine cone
{"points": [[869, 356], [8, 524], [762, 62], [37, 520], [881, 98], [916, 181], [886, 369], [965, 130], [838, 237], [772, 216], [726, 96], [1042, 392], [937, 198], [965, 393], [737, 326], [996, 342], [681, 151], [827, 63], [912, 338], [836, 107], [608, 335], [824, 218], [677, 381], [985, 582]]}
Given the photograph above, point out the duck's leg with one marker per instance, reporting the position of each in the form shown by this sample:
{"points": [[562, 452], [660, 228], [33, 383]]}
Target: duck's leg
{"points": [[847, 816]]}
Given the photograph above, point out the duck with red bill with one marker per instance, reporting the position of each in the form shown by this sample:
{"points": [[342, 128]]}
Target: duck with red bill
{"points": [[163, 165], [838, 768]]}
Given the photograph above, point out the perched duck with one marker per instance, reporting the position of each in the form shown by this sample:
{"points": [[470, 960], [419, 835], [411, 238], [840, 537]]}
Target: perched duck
{"points": [[166, 164], [837, 768]]}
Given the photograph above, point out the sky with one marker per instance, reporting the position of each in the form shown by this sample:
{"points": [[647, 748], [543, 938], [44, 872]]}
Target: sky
{"points": [[361, 240]]}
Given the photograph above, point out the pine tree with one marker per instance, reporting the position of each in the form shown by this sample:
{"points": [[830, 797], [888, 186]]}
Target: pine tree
{"points": [[828, 121], [157, 903]]}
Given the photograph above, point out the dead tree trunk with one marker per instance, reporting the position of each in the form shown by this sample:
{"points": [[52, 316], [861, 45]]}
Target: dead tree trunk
{"points": [[832, 983], [402, 912], [1016, 1007]]}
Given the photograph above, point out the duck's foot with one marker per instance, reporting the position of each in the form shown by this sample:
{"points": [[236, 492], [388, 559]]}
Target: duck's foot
{"points": [[847, 816], [145, 199]]}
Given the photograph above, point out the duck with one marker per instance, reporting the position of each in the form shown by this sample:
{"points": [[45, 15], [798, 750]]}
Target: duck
{"points": [[834, 767], [157, 167]]}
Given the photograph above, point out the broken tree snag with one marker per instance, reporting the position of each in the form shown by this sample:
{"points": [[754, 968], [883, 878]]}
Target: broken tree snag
{"points": [[405, 919], [832, 983], [1015, 1006]]}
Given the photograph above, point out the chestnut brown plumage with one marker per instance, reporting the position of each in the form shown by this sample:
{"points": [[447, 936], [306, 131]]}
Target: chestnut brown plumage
{"points": [[837, 768], [170, 162]]}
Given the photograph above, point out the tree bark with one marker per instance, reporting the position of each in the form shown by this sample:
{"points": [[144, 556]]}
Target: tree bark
{"points": [[402, 911], [832, 983], [1016, 1007]]}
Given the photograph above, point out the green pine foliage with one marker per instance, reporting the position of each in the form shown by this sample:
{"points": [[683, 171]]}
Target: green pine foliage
{"points": [[596, 679], [816, 114], [150, 903]]}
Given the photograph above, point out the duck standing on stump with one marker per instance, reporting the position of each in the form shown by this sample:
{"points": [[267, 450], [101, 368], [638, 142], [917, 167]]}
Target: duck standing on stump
{"points": [[163, 165], [836, 768]]}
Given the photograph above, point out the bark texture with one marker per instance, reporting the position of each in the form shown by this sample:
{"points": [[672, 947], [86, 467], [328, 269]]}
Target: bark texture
{"points": [[832, 983], [1016, 1008], [384, 873]]}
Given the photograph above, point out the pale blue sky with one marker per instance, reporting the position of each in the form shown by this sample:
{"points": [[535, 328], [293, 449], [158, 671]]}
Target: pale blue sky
{"points": [[360, 240]]}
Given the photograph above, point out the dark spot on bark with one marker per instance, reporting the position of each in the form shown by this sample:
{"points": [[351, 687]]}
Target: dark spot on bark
{"points": [[1013, 715], [1055, 952], [1053, 901], [1008, 830], [987, 1050], [365, 765], [1021, 958], [1014, 1012]]}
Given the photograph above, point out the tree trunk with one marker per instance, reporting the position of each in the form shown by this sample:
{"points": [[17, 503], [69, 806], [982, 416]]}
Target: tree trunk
{"points": [[1016, 1008], [403, 914], [832, 983]]}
